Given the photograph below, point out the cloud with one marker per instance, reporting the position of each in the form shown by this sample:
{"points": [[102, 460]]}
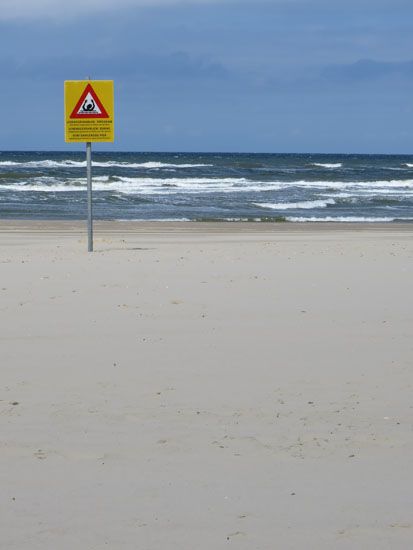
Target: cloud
{"points": [[368, 70], [58, 9], [366, 75], [64, 9], [140, 66]]}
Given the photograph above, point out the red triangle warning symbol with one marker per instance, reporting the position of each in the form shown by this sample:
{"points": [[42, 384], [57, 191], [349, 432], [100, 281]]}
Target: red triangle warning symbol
{"points": [[89, 105]]}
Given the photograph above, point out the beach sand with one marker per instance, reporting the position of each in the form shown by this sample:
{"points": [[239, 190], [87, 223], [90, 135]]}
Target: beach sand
{"points": [[206, 386]]}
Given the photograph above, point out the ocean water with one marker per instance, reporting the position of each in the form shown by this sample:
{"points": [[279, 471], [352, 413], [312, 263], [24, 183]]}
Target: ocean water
{"points": [[198, 186]]}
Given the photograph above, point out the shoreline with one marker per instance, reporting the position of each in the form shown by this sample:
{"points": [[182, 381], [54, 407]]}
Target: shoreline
{"points": [[133, 226]]}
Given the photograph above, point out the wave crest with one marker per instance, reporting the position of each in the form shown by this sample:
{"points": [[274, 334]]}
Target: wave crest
{"points": [[327, 164], [108, 164], [344, 219], [296, 205]]}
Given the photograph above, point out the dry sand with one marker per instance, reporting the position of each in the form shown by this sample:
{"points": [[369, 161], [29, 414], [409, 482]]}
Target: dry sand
{"points": [[210, 386]]}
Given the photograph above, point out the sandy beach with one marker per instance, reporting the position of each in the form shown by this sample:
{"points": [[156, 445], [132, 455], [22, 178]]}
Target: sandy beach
{"points": [[206, 386]]}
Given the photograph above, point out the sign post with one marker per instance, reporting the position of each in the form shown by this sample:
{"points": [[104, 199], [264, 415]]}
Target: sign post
{"points": [[89, 117], [89, 197]]}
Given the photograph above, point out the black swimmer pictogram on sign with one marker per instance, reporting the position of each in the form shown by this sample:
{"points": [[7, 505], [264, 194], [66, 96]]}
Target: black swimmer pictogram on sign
{"points": [[89, 105]]}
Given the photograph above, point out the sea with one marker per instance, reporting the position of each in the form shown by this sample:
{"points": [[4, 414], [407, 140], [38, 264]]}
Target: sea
{"points": [[207, 187]]}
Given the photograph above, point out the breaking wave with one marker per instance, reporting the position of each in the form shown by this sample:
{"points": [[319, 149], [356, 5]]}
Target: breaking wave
{"points": [[327, 164], [144, 185], [349, 219], [108, 164], [350, 188], [209, 185], [296, 205], [359, 184]]}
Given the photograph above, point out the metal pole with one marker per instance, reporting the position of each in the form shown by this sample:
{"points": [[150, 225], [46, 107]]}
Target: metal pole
{"points": [[89, 197]]}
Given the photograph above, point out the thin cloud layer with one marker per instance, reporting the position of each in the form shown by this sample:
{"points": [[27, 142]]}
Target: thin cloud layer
{"points": [[61, 9]]}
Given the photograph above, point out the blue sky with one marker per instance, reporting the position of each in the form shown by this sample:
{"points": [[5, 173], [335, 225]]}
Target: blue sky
{"points": [[222, 75]]}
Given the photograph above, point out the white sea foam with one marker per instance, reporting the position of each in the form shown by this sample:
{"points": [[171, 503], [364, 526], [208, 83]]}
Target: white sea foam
{"points": [[108, 164], [408, 165], [175, 185], [349, 219], [152, 165], [327, 164], [45, 164], [243, 219], [179, 185], [401, 184], [296, 205], [153, 220], [148, 186]]}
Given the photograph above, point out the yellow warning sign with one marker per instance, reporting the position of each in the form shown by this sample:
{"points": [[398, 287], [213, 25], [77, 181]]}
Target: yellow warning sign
{"points": [[89, 111]]}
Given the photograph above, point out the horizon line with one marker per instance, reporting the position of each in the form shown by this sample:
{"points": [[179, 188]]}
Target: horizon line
{"points": [[171, 152]]}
